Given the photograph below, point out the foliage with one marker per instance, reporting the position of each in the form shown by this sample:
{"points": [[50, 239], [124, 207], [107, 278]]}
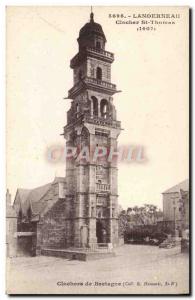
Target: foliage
{"points": [[148, 214], [144, 215], [123, 223]]}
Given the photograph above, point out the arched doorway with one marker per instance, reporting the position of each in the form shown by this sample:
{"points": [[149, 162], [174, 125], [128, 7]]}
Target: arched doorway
{"points": [[101, 233]]}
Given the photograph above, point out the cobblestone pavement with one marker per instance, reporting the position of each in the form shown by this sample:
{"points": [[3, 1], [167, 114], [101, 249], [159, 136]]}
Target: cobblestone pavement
{"points": [[135, 269]]}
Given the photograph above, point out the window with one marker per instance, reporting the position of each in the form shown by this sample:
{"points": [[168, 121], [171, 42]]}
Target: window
{"points": [[99, 73], [98, 45], [95, 106], [104, 108]]}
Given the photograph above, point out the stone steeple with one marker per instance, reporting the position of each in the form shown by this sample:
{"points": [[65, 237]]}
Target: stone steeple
{"points": [[91, 198]]}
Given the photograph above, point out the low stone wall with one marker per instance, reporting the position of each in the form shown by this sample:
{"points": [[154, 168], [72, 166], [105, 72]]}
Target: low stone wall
{"points": [[77, 255]]}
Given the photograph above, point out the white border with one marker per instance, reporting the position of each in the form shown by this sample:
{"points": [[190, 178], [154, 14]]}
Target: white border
{"points": [[3, 4]]}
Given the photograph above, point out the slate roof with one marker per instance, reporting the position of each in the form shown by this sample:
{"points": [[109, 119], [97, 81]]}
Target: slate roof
{"points": [[184, 185], [33, 197]]}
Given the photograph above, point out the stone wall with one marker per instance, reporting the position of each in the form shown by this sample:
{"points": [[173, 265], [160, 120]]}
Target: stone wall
{"points": [[92, 65], [11, 239], [171, 200], [52, 227]]}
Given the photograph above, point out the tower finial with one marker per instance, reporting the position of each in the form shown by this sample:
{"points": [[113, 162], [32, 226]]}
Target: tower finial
{"points": [[91, 15]]}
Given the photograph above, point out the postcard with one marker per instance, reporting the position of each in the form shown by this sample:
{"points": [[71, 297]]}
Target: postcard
{"points": [[97, 150]]}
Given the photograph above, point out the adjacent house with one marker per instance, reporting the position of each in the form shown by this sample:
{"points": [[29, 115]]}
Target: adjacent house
{"points": [[11, 227], [176, 206], [40, 217]]}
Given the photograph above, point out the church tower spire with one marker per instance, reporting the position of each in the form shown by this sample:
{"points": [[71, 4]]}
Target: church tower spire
{"points": [[91, 16], [91, 124]]}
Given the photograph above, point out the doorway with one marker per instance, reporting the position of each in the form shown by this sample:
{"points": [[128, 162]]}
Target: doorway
{"points": [[99, 231], [24, 246]]}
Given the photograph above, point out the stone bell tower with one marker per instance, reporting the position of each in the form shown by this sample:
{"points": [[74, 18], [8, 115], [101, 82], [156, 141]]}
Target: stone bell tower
{"points": [[91, 199]]}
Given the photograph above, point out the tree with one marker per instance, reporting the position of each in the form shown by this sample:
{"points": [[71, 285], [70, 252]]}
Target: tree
{"points": [[123, 223], [143, 215]]}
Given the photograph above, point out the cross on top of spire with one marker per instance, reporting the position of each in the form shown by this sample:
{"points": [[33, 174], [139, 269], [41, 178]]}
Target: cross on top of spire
{"points": [[91, 15]]}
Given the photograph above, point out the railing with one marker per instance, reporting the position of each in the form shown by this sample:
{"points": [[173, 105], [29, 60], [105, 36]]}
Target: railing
{"points": [[93, 81], [80, 55], [100, 83], [102, 187], [102, 121], [94, 120], [101, 51]]}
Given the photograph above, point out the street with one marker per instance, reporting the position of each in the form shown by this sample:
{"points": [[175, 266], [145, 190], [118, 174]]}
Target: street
{"points": [[136, 269]]}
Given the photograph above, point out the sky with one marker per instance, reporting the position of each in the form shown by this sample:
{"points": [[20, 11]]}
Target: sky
{"points": [[151, 70]]}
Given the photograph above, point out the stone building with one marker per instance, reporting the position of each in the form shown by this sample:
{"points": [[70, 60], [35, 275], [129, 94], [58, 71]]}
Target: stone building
{"points": [[80, 210], [184, 197], [92, 196], [40, 217], [176, 205], [11, 227]]}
